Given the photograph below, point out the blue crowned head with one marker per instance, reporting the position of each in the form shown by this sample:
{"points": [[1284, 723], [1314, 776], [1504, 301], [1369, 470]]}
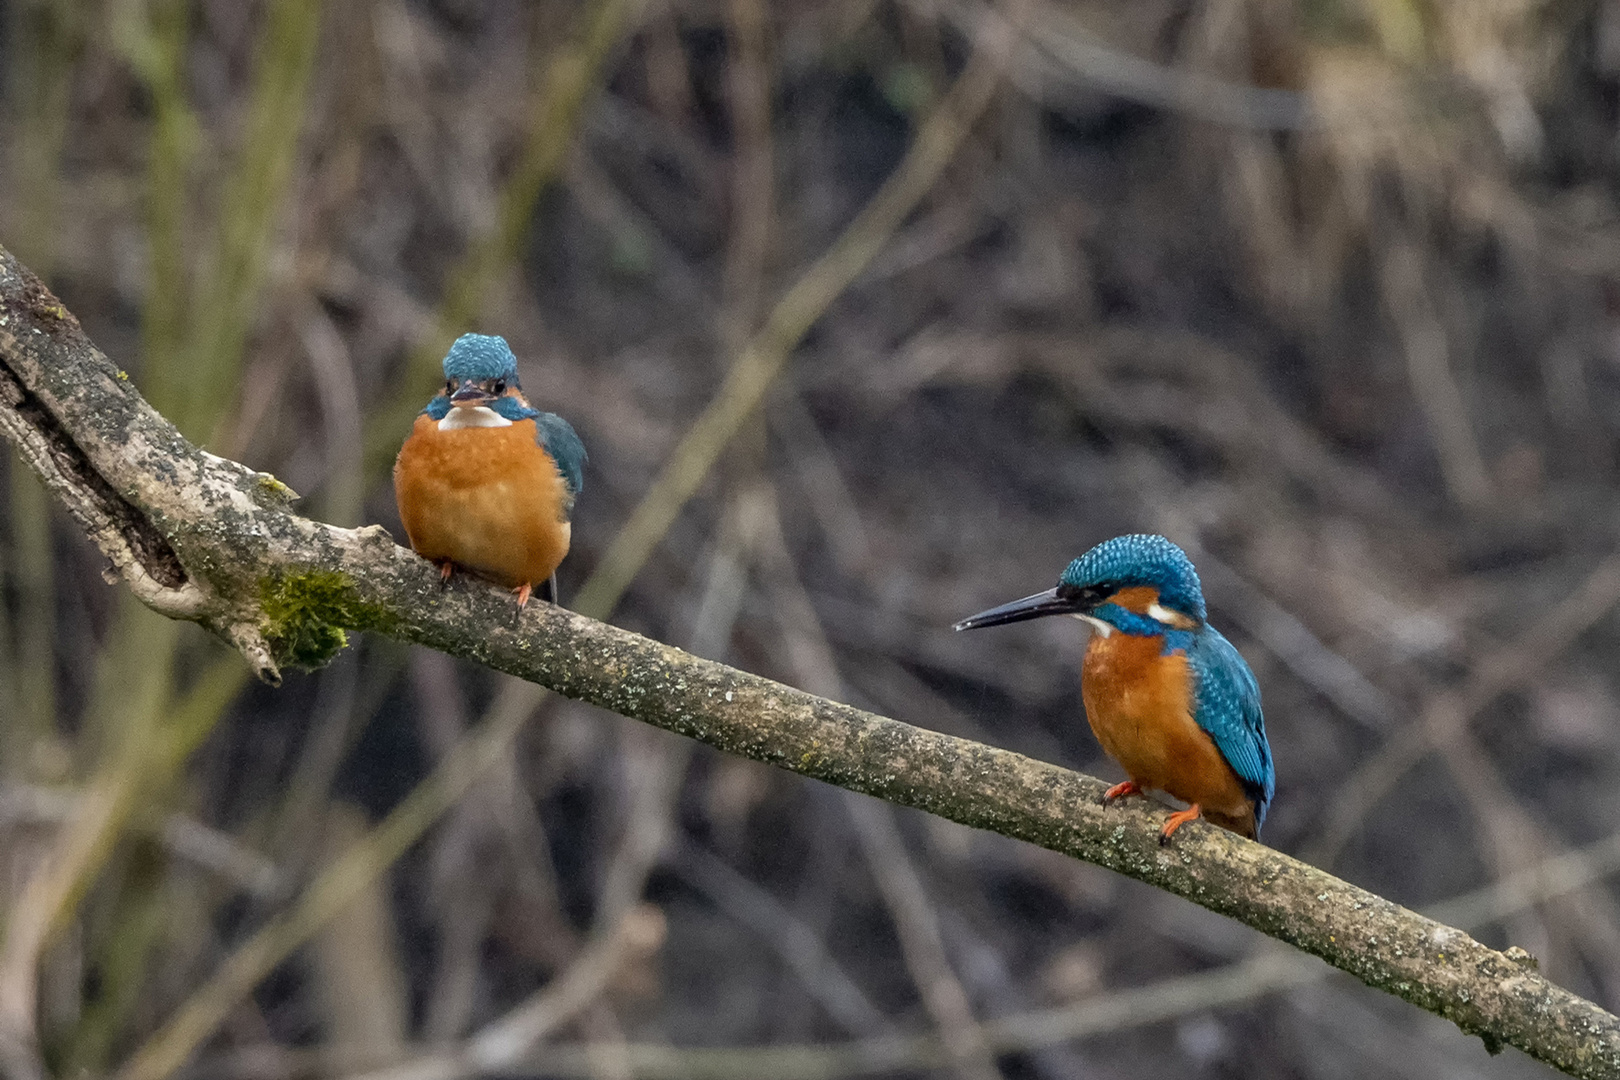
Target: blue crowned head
{"points": [[480, 379], [1137, 560], [1141, 584], [480, 358]]}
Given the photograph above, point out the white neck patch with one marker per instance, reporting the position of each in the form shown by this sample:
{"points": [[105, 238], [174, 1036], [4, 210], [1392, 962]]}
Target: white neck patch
{"points": [[1096, 624], [1175, 620], [479, 416]]}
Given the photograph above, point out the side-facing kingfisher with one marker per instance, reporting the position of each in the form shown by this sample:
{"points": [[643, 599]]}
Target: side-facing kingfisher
{"points": [[1168, 697], [485, 481]]}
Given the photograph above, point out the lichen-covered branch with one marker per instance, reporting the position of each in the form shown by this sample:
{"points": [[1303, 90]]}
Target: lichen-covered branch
{"points": [[202, 538]]}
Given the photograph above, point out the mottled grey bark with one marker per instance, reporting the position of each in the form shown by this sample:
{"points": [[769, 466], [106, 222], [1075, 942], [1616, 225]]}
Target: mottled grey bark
{"points": [[201, 538]]}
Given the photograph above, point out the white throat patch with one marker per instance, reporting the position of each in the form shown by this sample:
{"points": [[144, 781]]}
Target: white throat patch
{"points": [[478, 416], [1096, 624]]}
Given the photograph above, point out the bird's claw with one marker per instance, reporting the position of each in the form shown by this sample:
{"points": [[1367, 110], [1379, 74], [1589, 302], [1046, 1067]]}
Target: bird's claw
{"points": [[1119, 791], [1176, 821]]}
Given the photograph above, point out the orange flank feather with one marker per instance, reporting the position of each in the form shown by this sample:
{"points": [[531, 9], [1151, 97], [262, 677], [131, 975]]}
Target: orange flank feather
{"points": [[489, 499], [1140, 706]]}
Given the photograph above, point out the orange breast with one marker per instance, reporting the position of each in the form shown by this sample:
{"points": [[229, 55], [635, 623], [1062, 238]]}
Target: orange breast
{"points": [[488, 499], [1140, 707]]}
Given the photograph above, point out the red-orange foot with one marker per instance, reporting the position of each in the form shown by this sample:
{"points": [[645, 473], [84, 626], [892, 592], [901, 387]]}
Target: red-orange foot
{"points": [[1119, 791], [446, 568], [523, 593], [1177, 820]]}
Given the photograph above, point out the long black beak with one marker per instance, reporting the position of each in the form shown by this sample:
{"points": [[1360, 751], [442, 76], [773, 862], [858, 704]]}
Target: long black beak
{"points": [[470, 393], [1030, 607]]}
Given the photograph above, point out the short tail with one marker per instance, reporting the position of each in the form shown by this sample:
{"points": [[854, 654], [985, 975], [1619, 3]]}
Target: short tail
{"points": [[1244, 825]]}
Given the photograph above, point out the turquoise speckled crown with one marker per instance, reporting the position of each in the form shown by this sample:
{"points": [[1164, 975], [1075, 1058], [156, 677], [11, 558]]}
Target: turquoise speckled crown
{"points": [[1142, 559], [479, 357]]}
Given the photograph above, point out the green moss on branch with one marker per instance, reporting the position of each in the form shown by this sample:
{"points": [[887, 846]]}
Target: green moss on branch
{"points": [[306, 614]]}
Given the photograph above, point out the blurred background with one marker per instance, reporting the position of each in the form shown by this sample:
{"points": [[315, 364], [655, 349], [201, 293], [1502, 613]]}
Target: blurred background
{"points": [[1327, 291]]}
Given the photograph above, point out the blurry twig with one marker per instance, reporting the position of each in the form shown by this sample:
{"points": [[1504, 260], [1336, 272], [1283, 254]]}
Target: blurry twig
{"points": [[1300, 650], [572, 75], [44, 40], [340, 407], [34, 570], [334, 724], [155, 45], [351, 873], [920, 940], [1514, 839], [193, 344], [462, 900], [822, 480], [1199, 386], [799, 946], [753, 172], [1424, 340], [623, 926], [596, 198], [758, 363], [1548, 879], [1498, 672], [228, 291], [493, 1049], [354, 966], [208, 848], [887, 860], [131, 695], [1061, 51]]}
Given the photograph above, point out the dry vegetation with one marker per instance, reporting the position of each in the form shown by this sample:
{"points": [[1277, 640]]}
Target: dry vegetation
{"points": [[1327, 292]]}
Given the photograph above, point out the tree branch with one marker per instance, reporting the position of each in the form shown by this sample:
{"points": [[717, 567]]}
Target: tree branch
{"points": [[202, 538]]}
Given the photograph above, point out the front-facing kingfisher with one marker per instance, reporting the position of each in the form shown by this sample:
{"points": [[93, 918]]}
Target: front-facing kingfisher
{"points": [[485, 481], [1167, 696]]}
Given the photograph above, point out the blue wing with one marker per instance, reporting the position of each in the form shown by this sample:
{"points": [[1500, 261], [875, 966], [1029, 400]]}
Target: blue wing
{"points": [[1228, 707], [560, 441]]}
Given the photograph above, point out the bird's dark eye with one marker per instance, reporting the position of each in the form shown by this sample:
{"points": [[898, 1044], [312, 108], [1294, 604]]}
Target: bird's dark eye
{"points": [[450, 387], [500, 387], [1087, 594]]}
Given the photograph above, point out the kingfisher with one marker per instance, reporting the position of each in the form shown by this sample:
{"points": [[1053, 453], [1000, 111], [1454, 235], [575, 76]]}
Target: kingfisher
{"points": [[1167, 696], [485, 481]]}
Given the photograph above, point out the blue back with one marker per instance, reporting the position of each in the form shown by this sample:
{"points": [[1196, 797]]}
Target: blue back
{"points": [[1227, 705]]}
